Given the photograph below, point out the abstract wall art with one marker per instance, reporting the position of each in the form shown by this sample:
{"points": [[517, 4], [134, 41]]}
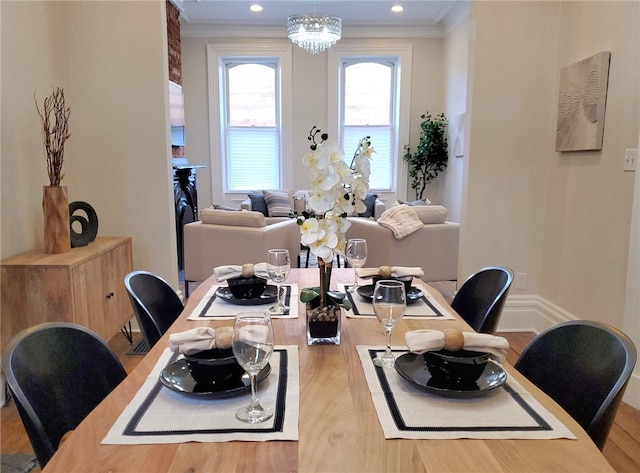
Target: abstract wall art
{"points": [[581, 104]]}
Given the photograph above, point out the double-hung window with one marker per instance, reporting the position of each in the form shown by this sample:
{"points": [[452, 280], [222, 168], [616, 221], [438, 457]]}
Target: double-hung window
{"points": [[372, 97], [247, 131]]}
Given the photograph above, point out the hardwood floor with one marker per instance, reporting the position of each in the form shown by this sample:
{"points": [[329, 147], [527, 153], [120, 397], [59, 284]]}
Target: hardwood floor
{"points": [[622, 449]]}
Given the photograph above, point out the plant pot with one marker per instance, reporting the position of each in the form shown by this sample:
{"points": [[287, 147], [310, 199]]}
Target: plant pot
{"points": [[323, 325], [57, 229]]}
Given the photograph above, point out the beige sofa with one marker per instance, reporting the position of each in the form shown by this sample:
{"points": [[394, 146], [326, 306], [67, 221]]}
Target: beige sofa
{"points": [[433, 247], [224, 237]]}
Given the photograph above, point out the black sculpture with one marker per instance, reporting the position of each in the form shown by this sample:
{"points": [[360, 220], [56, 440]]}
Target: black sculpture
{"points": [[89, 224]]}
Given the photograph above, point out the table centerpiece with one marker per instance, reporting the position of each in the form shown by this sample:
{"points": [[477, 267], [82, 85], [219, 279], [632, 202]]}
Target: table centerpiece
{"points": [[337, 191]]}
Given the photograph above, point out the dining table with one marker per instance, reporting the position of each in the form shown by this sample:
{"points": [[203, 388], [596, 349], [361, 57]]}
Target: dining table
{"points": [[340, 413]]}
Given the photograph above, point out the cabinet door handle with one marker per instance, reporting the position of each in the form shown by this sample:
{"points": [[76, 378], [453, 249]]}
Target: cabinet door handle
{"points": [[110, 295]]}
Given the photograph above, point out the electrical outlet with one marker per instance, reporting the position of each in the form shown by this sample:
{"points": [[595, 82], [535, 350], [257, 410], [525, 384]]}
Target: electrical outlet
{"points": [[521, 281], [630, 159]]}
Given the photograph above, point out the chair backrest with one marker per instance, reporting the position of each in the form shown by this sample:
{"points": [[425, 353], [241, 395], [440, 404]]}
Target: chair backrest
{"points": [[481, 298], [585, 367], [155, 304], [58, 372]]}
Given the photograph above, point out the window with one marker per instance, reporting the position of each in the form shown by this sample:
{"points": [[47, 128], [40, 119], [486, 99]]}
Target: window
{"points": [[249, 87], [370, 87]]}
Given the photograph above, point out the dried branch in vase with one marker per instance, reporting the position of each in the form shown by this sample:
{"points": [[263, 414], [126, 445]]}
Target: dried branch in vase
{"points": [[55, 131]]}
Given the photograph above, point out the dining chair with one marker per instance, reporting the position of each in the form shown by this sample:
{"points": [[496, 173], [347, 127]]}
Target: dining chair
{"points": [[481, 298], [58, 372], [585, 367], [155, 304]]}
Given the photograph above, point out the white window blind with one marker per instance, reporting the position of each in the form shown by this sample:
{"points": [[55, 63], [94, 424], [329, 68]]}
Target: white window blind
{"points": [[252, 158]]}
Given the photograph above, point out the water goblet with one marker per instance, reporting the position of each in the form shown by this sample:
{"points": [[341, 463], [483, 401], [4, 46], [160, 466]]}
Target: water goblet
{"points": [[356, 254], [252, 346], [278, 267], [389, 304]]}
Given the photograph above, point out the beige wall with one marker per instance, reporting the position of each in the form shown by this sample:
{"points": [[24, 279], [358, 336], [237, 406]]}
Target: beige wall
{"points": [[309, 104], [110, 57]]}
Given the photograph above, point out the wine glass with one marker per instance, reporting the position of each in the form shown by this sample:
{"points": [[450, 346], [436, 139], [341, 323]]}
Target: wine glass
{"points": [[389, 304], [278, 267], [356, 254], [252, 346]]}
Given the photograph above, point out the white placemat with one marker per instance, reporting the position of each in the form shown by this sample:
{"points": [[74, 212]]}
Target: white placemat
{"points": [[158, 414], [213, 307], [405, 411], [427, 307]]}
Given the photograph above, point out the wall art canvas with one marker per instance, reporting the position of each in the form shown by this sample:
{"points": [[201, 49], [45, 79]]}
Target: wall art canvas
{"points": [[581, 104]]}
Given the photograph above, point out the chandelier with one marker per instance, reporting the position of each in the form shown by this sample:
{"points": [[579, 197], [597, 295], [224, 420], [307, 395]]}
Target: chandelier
{"points": [[314, 32]]}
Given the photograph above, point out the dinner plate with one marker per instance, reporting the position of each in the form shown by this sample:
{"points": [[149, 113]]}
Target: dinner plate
{"points": [[269, 295], [413, 368], [366, 292], [176, 376]]}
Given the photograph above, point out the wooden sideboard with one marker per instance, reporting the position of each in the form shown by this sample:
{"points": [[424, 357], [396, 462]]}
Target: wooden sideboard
{"points": [[84, 285]]}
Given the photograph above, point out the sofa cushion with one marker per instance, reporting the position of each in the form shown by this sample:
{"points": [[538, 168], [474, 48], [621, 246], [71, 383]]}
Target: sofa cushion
{"points": [[370, 202], [258, 203], [431, 213], [401, 220], [237, 219], [224, 207], [278, 203]]}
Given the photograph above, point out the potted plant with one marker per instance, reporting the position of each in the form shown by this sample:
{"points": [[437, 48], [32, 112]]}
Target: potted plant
{"points": [[55, 203], [337, 190], [431, 155]]}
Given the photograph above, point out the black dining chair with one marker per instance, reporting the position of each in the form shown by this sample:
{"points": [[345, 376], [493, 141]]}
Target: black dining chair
{"points": [[155, 304], [481, 298], [58, 372], [584, 366]]}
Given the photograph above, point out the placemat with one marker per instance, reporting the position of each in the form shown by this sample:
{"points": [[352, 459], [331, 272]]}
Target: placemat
{"points": [[212, 307], [405, 411], [426, 307], [158, 414]]}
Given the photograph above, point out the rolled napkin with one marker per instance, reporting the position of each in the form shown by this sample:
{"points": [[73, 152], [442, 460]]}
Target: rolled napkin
{"points": [[389, 272], [420, 341], [193, 341], [247, 270]]}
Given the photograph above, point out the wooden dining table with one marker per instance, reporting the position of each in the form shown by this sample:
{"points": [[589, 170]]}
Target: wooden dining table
{"points": [[339, 430]]}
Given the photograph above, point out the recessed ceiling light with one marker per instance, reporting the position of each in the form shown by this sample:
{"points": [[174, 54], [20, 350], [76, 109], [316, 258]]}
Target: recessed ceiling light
{"points": [[397, 8], [255, 8]]}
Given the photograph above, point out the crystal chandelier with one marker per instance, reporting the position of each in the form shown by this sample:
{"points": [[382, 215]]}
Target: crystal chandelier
{"points": [[314, 32]]}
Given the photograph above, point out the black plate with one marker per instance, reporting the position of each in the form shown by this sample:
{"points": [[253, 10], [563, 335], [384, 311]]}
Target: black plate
{"points": [[366, 292], [268, 296], [412, 368], [176, 376]]}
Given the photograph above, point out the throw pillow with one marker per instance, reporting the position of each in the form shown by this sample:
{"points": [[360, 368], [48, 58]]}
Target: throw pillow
{"points": [[258, 204], [370, 202], [415, 202], [278, 204], [431, 213], [224, 207], [401, 220]]}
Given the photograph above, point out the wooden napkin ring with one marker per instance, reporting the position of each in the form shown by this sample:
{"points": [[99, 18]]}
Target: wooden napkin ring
{"points": [[453, 339], [247, 270], [385, 271]]}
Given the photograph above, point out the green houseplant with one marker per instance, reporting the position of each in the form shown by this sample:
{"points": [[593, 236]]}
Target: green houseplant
{"points": [[431, 155]]}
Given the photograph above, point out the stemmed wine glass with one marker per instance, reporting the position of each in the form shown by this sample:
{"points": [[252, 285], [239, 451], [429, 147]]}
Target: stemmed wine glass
{"points": [[356, 254], [278, 267], [389, 304], [252, 346]]}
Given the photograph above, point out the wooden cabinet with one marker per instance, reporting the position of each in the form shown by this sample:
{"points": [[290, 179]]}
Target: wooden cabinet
{"points": [[84, 285]]}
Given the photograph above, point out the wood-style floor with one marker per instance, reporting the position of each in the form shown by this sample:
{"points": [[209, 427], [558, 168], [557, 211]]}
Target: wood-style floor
{"points": [[622, 449]]}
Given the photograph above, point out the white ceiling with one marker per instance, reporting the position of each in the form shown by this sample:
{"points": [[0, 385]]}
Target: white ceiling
{"points": [[356, 14]]}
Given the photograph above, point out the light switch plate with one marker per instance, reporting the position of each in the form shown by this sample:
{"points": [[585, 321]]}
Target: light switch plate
{"points": [[630, 159]]}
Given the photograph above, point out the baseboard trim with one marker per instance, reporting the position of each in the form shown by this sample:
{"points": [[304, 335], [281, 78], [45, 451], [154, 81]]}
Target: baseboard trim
{"points": [[536, 314]]}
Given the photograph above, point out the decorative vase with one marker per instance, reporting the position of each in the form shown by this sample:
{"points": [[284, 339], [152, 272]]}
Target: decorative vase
{"points": [[55, 208], [323, 317]]}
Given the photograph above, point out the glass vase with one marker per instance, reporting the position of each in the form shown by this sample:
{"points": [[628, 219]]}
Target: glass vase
{"points": [[323, 317]]}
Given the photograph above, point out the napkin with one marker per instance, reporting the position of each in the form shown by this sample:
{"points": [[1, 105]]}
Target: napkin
{"points": [[420, 341], [223, 273], [396, 272], [193, 341]]}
